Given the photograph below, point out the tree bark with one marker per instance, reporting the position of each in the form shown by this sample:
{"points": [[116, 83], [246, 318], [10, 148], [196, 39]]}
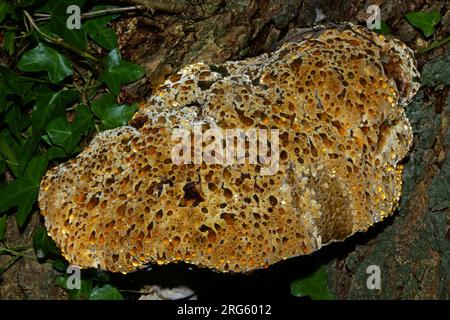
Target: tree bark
{"points": [[413, 248]]}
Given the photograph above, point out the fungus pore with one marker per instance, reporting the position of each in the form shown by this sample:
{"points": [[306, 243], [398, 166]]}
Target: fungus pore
{"points": [[336, 96]]}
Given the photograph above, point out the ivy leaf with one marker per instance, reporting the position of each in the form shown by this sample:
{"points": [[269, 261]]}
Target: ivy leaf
{"points": [[8, 41], [118, 72], [99, 32], [50, 5], [58, 23], [23, 192], [43, 244], [49, 106], [5, 8], [67, 135], [13, 119], [83, 293], [107, 292], [3, 227], [31, 92], [83, 122], [2, 164], [10, 80], [314, 285], [60, 265], [60, 133], [384, 29], [110, 113], [55, 152], [28, 150], [9, 84], [112, 59], [23, 3], [425, 21], [75, 294], [44, 58], [10, 149]]}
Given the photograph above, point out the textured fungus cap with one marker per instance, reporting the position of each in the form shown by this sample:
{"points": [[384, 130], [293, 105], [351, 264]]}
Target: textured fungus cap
{"points": [[337, 99]]}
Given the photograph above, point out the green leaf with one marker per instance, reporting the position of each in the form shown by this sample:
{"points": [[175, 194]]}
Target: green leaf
{"points": [[118, 72], [3, 227], [61, 281], [28, 150], [13, 119], [43, 244], [9, 85], [75, 294], [112, 59], [50, 5], [10, 80], [67, 135], [5, 8], [110, 113], [425, 21], [44, 58], [105, 101], [60, 265], [102, 35], [31, 91], [23, 192], [49, 106], [58, 23], [99, 32], [384, 29], [2, 164], [8, 41], [60, 133], [83, 122], [11, 149], [57, 153], [314, 285], [23, 3], [106, 292], [82, 294]]}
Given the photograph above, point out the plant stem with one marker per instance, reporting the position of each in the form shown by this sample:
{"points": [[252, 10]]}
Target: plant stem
{"points": [[434, 45], [15, 252], [172, 6], [59, 41], [93, 14], [8, 28], [17, 256], [33, 79], [134, 291]]}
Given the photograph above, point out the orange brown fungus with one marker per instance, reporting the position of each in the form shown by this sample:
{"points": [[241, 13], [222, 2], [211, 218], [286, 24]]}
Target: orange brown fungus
{"points": [[337, 98]]}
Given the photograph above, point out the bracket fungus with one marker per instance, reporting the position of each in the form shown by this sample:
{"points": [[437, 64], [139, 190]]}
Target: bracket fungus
{"points": [[337, 97]]}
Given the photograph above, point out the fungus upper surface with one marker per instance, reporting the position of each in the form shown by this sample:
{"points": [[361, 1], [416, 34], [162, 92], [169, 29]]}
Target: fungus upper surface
{"points": [[337, 99]]}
